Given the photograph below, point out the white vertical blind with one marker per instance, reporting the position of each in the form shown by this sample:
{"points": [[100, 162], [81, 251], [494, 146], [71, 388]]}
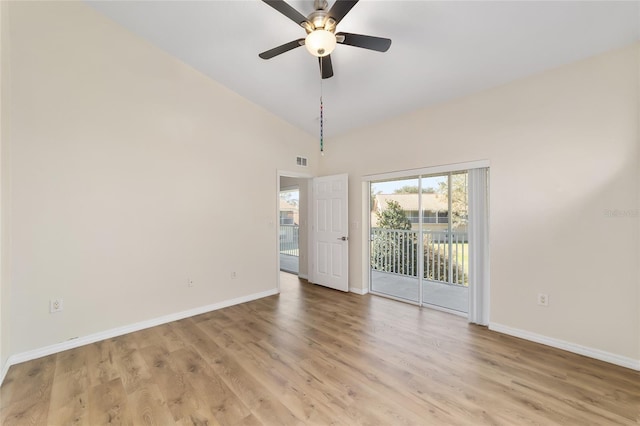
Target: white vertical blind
{"points": [[479, 246]]}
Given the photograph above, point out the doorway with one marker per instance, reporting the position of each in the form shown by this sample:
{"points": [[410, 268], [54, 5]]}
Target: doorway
{"points": [[290, 229], [293, 210], [322, 228]]}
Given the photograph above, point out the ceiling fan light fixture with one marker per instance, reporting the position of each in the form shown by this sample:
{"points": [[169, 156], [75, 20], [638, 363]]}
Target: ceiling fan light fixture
{"points": [[320, 42]]}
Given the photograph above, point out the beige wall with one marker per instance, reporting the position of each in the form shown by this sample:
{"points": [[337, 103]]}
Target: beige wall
{"points": [[5, 294], [563, 149], [124, 165]]}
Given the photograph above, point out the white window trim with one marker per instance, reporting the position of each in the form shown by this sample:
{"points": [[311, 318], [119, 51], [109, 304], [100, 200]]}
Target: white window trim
{"points": [[445, 168]]}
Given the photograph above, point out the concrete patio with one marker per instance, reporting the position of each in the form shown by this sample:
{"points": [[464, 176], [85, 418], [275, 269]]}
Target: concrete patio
{"points": [[443, 295], [289, 263]]}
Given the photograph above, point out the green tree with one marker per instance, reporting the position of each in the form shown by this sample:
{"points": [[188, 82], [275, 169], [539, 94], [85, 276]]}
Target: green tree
{"points": [[436, 264], [395, 247], [393, 217], [459, 205], [437, 256], [394, 251], [413, 189]]}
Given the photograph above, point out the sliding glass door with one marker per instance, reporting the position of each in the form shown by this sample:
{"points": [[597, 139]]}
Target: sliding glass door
{"points": [[394, 239], [445, 242], [419, 244]]}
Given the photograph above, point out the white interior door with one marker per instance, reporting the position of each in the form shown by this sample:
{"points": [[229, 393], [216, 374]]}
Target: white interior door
{"points": [[330, 232]]}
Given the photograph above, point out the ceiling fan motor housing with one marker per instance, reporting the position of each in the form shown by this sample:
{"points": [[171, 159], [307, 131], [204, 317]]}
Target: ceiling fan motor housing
{"points": [[319, 20]]}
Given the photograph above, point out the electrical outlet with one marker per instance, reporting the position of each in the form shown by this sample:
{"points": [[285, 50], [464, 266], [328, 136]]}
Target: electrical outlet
{"points": [[189, 282], [56, 305], [543, 299], [233, 275]]}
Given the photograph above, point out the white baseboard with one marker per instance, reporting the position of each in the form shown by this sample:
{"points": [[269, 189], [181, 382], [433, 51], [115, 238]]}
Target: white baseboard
{"points": [[119, 331], [360, 291], [4, 370], [601, 355], [303, 276]]}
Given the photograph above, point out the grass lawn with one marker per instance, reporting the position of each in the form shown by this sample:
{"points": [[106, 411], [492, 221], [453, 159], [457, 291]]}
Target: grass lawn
{"points": [[460, 253]]}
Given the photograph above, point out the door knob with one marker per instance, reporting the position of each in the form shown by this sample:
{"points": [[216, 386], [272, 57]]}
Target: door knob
{"points": [[343, 238]]}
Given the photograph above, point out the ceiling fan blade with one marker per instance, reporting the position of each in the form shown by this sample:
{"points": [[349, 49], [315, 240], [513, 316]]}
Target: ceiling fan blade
{"points": [[340, 8], [326, 69], [366, 42], [287, 10], [281, 49]]}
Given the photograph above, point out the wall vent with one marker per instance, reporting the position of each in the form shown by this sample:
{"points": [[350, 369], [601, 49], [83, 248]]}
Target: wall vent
{"points": [[301, 161]]}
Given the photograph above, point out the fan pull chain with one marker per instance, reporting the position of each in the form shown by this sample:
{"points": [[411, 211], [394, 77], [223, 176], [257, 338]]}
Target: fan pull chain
{"points": [[321, 127], [321, 113]]}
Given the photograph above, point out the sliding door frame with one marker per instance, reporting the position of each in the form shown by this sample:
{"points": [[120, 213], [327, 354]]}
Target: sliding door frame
{"points": [[447, 169]]}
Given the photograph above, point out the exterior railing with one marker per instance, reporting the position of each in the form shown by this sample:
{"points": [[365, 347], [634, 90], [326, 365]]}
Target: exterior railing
{"points": [[289, 239], [445, 254]]}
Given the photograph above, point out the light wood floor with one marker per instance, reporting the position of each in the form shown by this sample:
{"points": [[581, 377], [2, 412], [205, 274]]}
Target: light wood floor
{"points": [[316, 356]]}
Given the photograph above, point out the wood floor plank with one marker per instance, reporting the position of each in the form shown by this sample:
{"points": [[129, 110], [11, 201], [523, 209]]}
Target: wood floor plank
{"points": [[222, 403], [13, 381], [25, 412], [148, 406], [171, 339], [149, 337], [312, 355], [199, 418], [109, 404], [249, 421], [132, 368], [554, 410], [70, 389], [386, 358], [178, 393], [101, 363], [318, 392], [265, 406], [31, 392], [362, 367], [278, 381], [5, 392]]}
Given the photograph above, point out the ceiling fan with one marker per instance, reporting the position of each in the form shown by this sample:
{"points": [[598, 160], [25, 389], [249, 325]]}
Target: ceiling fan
{"points": [[321, 37]]}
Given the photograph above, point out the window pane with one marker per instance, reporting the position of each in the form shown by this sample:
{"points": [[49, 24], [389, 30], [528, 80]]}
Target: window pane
{"points": [[445, 243], [394, 238]]}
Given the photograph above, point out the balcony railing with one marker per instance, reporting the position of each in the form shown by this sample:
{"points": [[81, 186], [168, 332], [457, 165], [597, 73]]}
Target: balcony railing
{"points": [[289, 239], [445, 254]]}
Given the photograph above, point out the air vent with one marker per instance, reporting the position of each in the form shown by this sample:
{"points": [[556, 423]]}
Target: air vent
{"points": [[301, 161]]}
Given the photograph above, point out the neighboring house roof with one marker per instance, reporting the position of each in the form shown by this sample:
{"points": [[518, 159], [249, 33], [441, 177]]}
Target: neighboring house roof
{"points": [[286, 206], [409, 202]]}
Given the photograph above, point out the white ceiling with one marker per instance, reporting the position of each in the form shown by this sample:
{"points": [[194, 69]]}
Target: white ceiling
{"points": [[440, 50]]}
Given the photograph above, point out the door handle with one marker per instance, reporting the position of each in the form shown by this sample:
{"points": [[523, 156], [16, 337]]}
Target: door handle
{"points": [[343, 238]]}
